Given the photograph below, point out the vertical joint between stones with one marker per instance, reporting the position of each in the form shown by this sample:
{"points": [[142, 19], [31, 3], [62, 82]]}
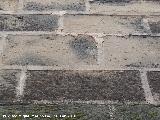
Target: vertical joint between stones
{"points": [[2, 48], [147, 90], [146, 25], [60, 21], [100, 58], [111, 111], [21, 84], [20, 5], [88, 7]]}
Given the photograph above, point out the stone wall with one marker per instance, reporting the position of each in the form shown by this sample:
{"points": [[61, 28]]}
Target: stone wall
{"points": [[81, 51]]}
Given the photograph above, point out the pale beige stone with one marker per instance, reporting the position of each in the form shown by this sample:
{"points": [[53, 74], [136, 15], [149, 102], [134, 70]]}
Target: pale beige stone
{"points": [[137, 8], [49, 50], [135, 51], [8, 5], [103, 24]]}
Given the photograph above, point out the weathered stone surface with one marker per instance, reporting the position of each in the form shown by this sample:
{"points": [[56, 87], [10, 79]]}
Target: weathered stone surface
{"points": [[8, 5], [154, 24], [41, 5], [8, 84], [54, 50], [113, 1], [153, 78], [55, 111], [133, 51], [136, 112], [103, 24], [155, 27], [1, 49], [83, 112], [28, 22], [83, 85], [140, 7]]}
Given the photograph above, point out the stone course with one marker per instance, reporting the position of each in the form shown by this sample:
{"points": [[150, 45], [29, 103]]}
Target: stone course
{"points": [[92, 54]]}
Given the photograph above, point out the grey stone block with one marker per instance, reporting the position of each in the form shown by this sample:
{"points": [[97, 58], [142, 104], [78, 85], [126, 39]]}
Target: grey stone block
{"points": [[8, 84], [48, 5], [28, 22], [83, 85], [153, 78]]}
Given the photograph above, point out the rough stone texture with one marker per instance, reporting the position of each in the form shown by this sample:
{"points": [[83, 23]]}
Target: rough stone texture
{"points": [[134, 51], [28, 22], [155, 27], [140, 7], [154, 23], [41, 5], [114, 1], [103, 24], [54, 50], [8, 84], [83, 85], [8, 5], [136, 112], [153, 78], [1, 49], [81, 111]]}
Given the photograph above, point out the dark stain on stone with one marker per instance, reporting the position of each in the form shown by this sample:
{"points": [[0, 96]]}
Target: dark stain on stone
{"points": [[137, 24], [84, 47], [80, 6], [155, 27]]}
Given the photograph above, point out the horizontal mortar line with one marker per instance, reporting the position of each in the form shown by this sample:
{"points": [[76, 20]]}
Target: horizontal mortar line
{"points": [[120, 13], [83, 67], [56, 12], [27, 32], [111, 34], [66, 12], [32, 12], [100, 102], [113, 14], [94, 102], [75, 34]]}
